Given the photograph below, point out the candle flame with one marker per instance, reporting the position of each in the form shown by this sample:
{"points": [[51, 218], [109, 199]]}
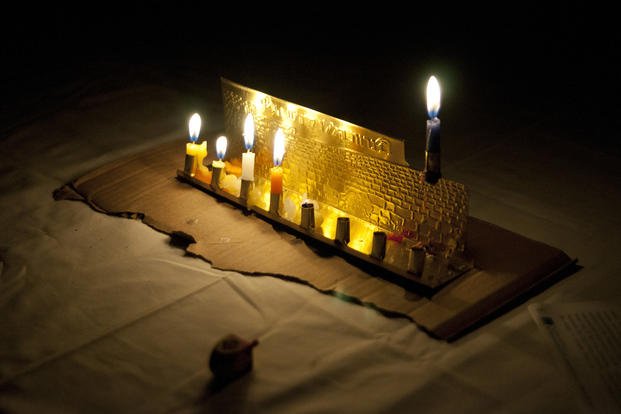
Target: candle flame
{"points": [[249, 132], [195, 127], [433, 97], [221, 144], [279, 147]]}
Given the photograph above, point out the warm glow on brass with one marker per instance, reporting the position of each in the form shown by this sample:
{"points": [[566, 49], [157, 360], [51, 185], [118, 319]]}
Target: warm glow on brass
{"points": [[258, 101]]}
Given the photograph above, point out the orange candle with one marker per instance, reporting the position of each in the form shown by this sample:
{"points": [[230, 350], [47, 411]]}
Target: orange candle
{"points": [[276, 171], [276, 180]]}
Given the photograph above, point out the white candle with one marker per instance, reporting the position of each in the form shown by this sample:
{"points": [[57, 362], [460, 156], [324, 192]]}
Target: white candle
{"points": [[248, 156]]}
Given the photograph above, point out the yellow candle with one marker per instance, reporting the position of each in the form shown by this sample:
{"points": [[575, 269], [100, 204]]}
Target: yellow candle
{"points": [[199, 151]]}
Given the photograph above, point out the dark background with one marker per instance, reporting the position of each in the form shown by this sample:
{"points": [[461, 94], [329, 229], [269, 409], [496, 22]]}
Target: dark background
{"points": [[500, 68]]}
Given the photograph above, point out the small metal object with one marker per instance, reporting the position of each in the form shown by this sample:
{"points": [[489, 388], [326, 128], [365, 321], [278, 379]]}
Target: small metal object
{"points": [[215, 177], [188, 168], [416, 260], [378, 250], [308, 216], [245, 189], [342, 230], [274, 203], [231, 357]]}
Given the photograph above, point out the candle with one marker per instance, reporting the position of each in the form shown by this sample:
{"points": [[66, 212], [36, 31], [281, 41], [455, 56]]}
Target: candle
{"points": [[276, 171], [218, 165], [195, 153], [248, 156], [432, 149]]}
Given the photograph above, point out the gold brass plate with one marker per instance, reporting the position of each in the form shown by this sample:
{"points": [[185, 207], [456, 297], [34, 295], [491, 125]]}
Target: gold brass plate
{"points": [[347, 170]]}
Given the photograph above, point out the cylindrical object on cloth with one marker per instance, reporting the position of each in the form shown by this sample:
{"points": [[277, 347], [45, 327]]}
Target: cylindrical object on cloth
{"points": [[231, 357]]}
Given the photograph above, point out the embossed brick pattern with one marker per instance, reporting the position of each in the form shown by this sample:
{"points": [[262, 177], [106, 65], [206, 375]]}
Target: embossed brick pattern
{"points": [[390, 196]]}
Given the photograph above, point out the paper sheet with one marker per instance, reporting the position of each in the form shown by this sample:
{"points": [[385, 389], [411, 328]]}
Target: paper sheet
{"points": [[587, 338]]}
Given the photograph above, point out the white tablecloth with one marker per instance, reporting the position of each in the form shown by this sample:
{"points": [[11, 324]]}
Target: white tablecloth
{"points": [[102, 314]]}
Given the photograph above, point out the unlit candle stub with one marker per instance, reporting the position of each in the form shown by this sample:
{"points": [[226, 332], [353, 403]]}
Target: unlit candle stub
{"points": [[416, 260], [378, 250], [308, 216], [342, 230]]}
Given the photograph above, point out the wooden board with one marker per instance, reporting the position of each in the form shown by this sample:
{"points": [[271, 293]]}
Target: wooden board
{"points": [[508, 266]]}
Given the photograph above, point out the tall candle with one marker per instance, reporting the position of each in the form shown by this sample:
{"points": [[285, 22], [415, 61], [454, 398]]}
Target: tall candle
{"points": [[276, 171], [248, 156], [432, 148]]}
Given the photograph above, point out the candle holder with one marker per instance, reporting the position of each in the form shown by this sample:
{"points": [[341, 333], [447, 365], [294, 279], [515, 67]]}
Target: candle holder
{"points": [[274, 203], [378, 251], [244, 190], [372, 261], [216, 173], [188, 167], [354, 172], [342, 230], [308, 216], [416, 260]]}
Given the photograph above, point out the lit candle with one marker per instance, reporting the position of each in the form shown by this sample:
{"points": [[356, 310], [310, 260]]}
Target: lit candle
{"points": [[248, 156], [195, 153], [432, 149], [218, 165], [276, 171]]}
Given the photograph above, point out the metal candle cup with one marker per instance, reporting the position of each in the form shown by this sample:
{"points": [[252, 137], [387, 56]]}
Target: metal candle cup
{"points": [[342, 230], [378, 250], [216, 173], [245, 189], [274, 203], [188, 167], [416, 260], [308, 216]]}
